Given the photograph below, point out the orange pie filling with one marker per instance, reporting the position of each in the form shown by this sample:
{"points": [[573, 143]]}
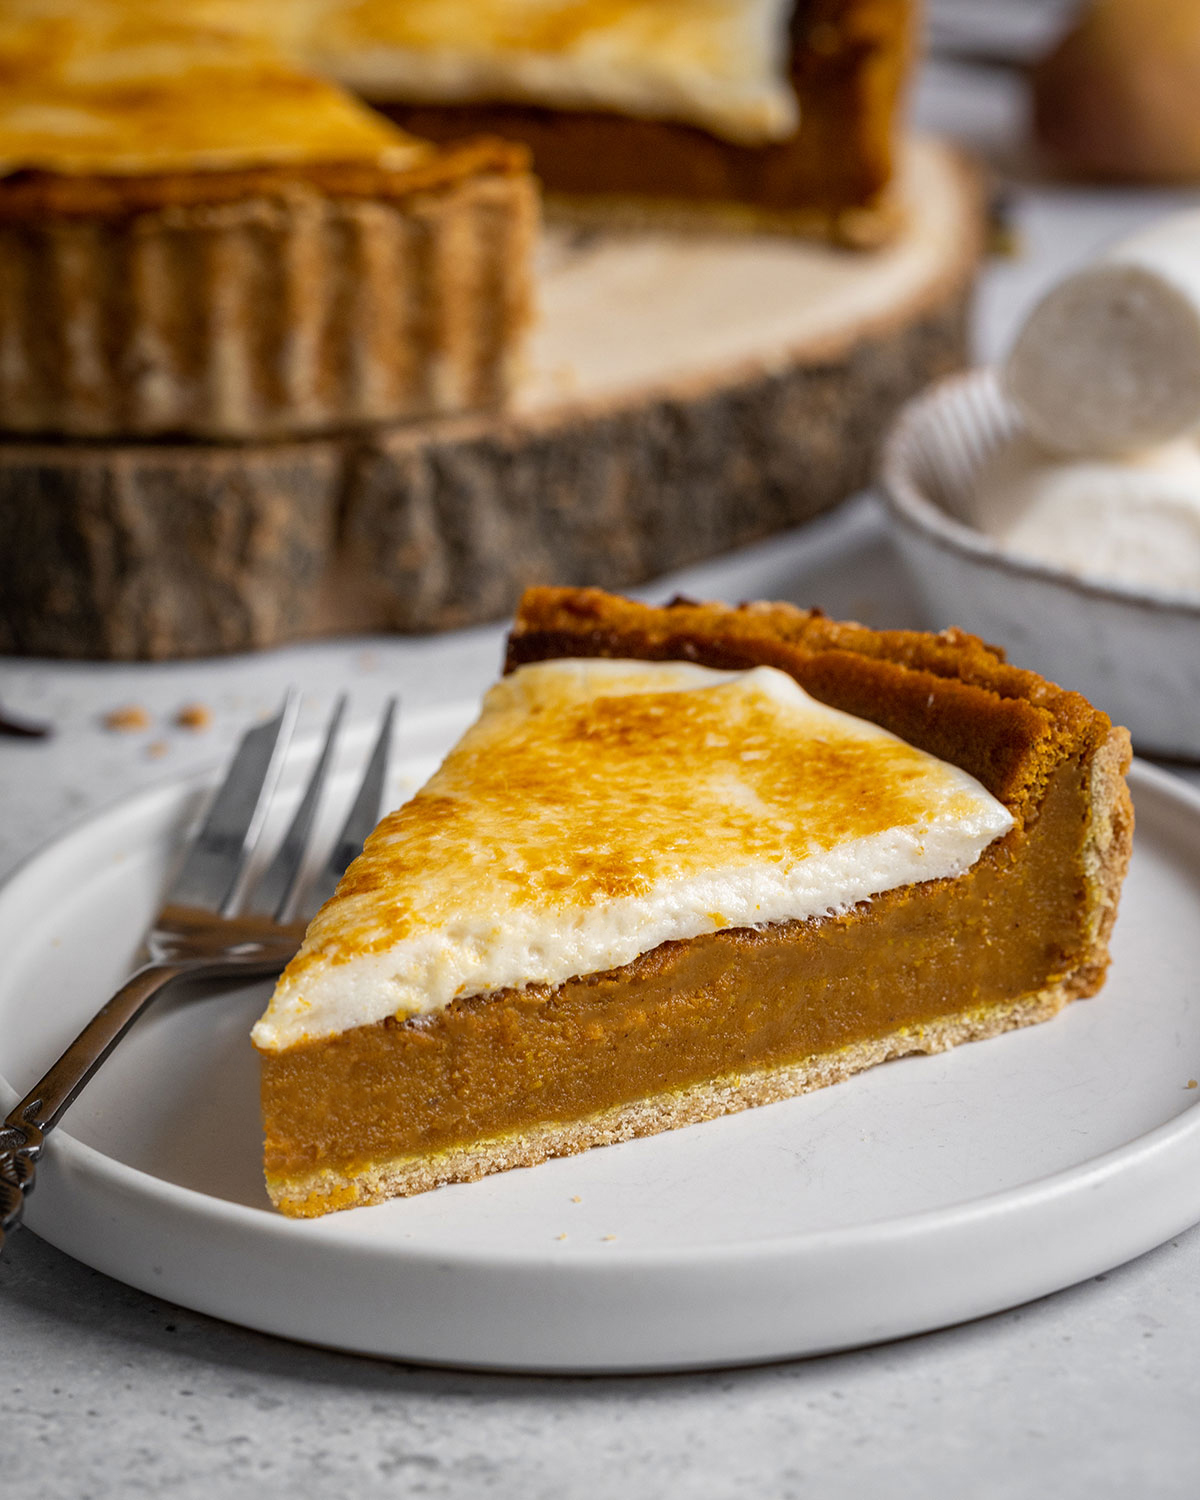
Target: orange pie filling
{"points": [[846, 62]]}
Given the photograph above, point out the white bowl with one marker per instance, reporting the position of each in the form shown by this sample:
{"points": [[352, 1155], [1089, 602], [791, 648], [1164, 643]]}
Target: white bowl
{"points": [[1133, 652]]}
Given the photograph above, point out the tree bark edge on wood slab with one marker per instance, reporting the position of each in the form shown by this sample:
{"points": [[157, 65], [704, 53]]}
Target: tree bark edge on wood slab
{"points": [[152, 552]]}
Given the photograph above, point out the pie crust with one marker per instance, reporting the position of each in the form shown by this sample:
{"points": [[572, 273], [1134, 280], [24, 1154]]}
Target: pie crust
{"points": [[263, 302], [741, 1017]]}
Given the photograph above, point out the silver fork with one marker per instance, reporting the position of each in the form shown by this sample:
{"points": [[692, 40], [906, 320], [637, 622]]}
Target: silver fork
{"points": [[210, 924]]}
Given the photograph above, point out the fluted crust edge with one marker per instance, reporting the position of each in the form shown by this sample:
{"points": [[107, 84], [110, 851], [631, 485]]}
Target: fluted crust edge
{"points": [[272, 316]]}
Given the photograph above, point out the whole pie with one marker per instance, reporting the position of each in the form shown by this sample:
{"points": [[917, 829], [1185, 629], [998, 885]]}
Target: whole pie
{"points": [[203, 233], [689, 860], [199, 237]]}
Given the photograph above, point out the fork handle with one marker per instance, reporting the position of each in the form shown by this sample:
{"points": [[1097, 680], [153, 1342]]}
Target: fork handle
{"points": [[24, 1132]]}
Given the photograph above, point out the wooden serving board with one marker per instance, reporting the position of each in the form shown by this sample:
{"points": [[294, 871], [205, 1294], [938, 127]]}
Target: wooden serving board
{"points": [[682, 394]]}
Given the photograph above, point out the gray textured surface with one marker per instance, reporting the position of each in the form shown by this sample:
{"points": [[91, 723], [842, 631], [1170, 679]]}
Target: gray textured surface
{"points": [[109, 1393], [1091, 1392]]}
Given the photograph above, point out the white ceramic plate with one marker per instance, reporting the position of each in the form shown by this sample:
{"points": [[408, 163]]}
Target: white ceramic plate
{"points": [[916, 1195]]}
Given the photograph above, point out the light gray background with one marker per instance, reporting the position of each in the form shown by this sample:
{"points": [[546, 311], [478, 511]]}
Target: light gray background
{"points": [[105, 1392]]}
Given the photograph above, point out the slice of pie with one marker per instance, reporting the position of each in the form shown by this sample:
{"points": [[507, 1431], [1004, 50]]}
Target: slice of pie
{"points": [[765, 113], [199, 238], [689, 860]]}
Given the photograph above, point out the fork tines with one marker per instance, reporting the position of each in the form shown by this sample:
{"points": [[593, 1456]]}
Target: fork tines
{"points": [[217, 871]]}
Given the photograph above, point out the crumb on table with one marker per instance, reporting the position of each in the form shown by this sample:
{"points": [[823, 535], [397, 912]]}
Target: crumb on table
{"points": [[195, 716], [128, 718]]}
